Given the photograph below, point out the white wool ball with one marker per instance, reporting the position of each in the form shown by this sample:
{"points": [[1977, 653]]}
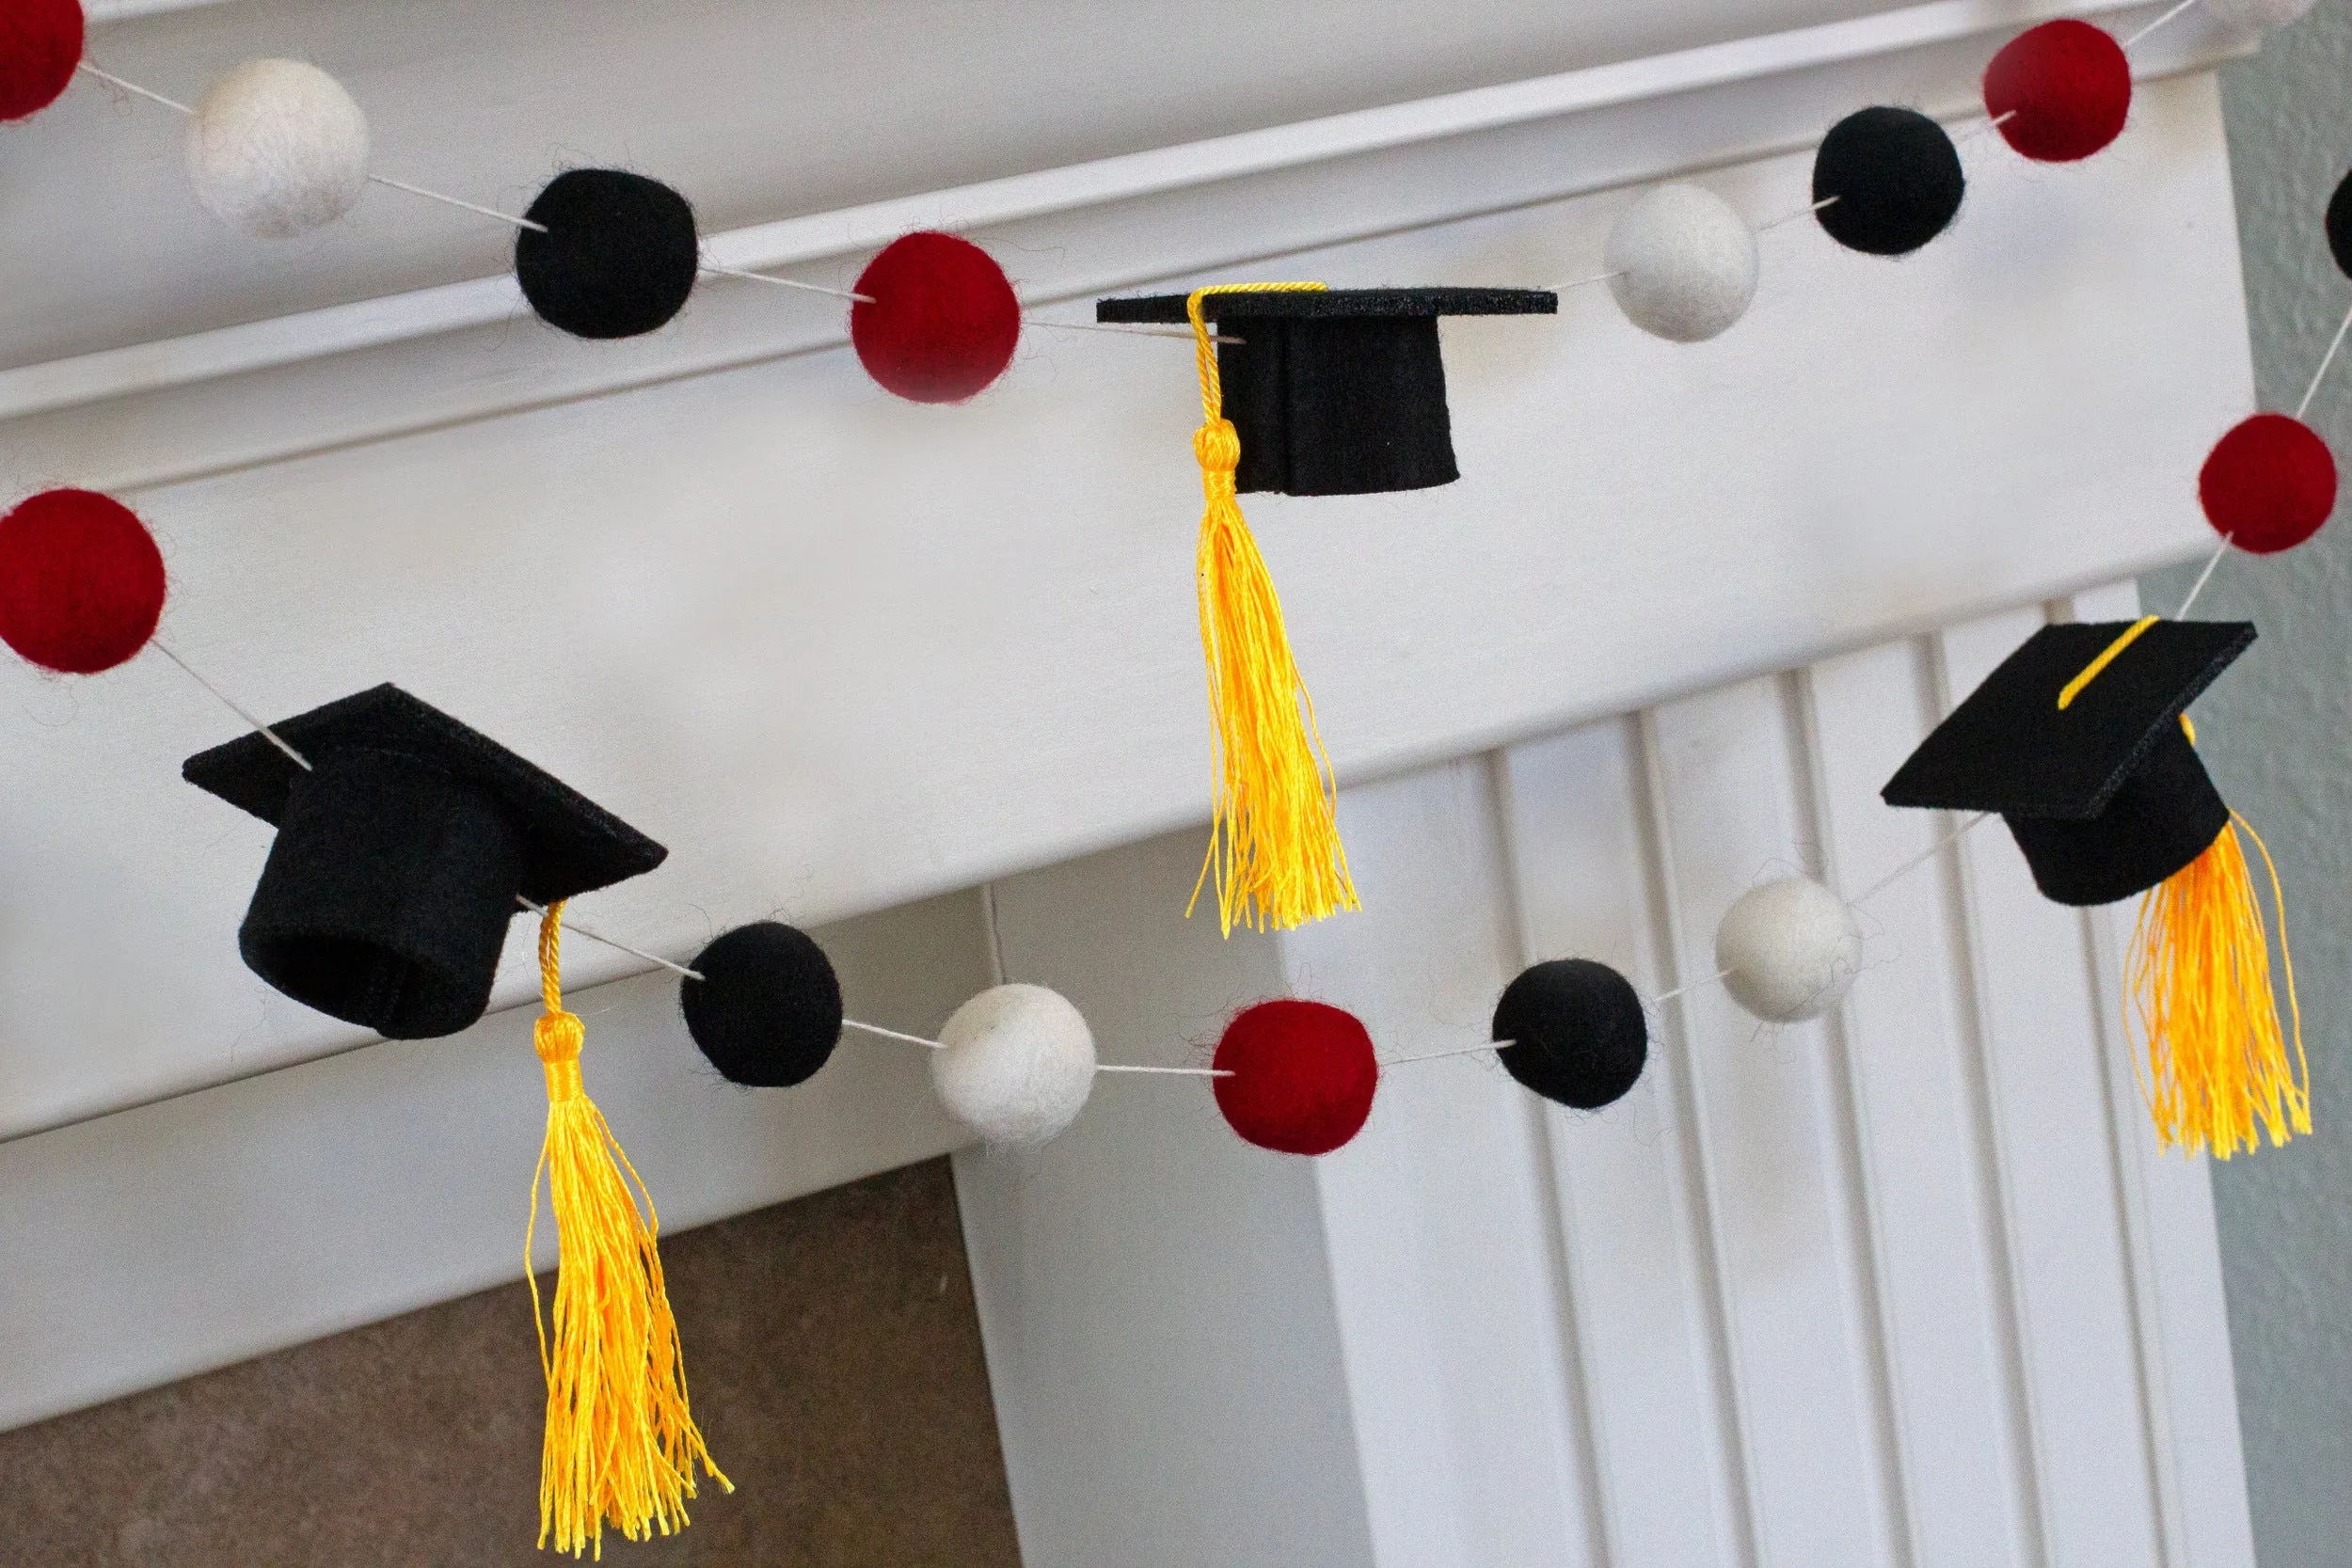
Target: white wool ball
{"points": [[2257, 13], [1017, 1065], [1683, 263], [1790, 950], [277, 149]]}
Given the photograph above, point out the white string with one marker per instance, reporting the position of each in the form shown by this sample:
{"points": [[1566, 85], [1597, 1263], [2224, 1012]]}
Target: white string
{"points": [[2320, 375], [1916, 861], [1719, 975], [1588, 282], [892, 1034], [786, 283], [113, 81], [578, 930], [1800, 212], [2203, 578], [2132, 42], [1127, 330], [232, 703], [454, 201], [1172, 1072], [1441, 1055]]}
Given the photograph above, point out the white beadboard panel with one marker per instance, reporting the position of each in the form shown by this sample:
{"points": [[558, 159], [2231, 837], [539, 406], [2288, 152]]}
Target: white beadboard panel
{"points": [[1640, 1288], [2067, 1220], [1921, 1121], [840, 652], [156, 1243], [1806, 1353], [1461, 1393], [1161, 1336], [1908, 1286]]}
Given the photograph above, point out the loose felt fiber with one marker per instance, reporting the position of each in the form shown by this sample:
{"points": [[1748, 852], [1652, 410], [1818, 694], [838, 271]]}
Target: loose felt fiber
{"points": [[2269, 484], [2340, 225], [944, 320], [385, 897], [1336, 391], [40, 43], [1682, 263], [1577, 1032], [2107, 796], [2059, 91], [1895, 176], [1015, 1064], [81, 582], [766, 1010], [1303, 1076], [619, 256], [277, 148], [1789, 950]]}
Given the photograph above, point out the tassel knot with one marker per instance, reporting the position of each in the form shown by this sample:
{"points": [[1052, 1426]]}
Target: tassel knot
{"points": [[1217, 444]]}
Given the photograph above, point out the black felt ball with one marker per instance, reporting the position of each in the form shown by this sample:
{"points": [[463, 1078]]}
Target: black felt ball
{"points": [[2340, 226], [1577, 1032], [766, 1010], [1896, 178], [618, 256]]}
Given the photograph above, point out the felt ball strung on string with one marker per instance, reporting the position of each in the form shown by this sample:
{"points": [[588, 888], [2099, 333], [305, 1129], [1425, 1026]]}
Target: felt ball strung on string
{"points": [[2269, 484], [2265, 14], [1681, 263], [277, 148], [2340, 226], [1789, 950], [944, 319], [1016, 1065], [2059, 91], [766, 1010], [1577, 1032], [618, 258], [81, 582], [1890, 179], [40, 43], [1303, 1076]]}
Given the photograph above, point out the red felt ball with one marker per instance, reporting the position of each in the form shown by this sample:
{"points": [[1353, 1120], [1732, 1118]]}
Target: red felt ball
{"points": [[1303, 1076], [81, 582], [944, 319], [40, 43], [2065, 88], [2269, 484]]}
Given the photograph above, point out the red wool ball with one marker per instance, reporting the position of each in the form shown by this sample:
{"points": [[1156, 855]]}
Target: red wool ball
{"points": [[2065, 88], [40, 43], [81, 582], [1303, 1076], [944, 322], [2269, 484]]}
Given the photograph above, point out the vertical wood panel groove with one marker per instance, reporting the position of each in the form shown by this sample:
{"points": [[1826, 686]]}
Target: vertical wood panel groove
{"points": [[1694, 1167], [1859, 1202], [1955, 878], [1600, 1527]]}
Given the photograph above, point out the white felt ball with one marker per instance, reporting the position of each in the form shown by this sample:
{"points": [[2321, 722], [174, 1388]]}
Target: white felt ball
{"points": [[1017, 1066], [2257, 13], [1789, 950], [277, 149], [1682, 263]]}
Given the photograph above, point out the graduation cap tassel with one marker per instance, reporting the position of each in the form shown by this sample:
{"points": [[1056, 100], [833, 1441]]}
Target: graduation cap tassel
{"points": [[621, 1442], [2199, 982], [1274, 836]]}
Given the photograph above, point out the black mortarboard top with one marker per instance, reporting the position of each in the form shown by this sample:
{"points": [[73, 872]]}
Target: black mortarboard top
{"points": [[2105, 796], [399, 856], [1337, 391]]}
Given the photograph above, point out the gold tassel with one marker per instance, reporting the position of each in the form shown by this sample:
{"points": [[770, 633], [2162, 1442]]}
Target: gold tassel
{"points": [[1274, 836], [621, 1444], [2199, 983]]}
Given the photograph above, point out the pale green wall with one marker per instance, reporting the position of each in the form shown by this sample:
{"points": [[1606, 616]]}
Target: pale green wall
{"points": [[2277, 735]]}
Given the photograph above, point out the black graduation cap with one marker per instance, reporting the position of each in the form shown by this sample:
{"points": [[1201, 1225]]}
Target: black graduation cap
{"points": [[1337, 391], [2105, 796], [399, 857]]}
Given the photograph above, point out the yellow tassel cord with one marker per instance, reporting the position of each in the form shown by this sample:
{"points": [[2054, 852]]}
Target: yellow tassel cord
{"points": [[1274, 836], [621, 1442]]}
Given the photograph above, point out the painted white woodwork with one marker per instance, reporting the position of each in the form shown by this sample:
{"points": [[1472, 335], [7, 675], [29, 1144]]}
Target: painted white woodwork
{"points": [[154, 1243], [1909, 1286], [840, 652]]}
